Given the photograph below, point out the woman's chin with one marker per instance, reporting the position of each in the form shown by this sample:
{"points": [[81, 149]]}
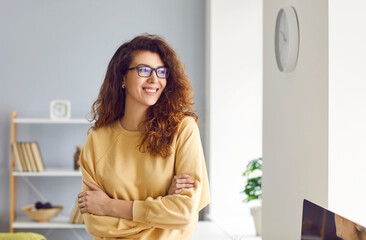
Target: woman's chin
{"points": [[150, 102]]}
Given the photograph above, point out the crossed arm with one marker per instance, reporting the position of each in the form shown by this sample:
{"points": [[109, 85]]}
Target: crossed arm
{"points": [[97, 202], [178, 209]]}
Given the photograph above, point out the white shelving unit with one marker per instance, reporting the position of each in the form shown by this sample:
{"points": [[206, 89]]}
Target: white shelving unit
{"points": [[55, 223], [51, 121], [49, 172], [60, 222]]}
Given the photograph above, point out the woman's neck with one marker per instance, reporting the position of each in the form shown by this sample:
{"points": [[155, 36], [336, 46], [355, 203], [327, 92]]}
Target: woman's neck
{"points": [[133, 117]]}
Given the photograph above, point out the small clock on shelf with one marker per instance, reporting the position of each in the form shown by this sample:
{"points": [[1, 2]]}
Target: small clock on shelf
{"points": [[286, 39], [60, 109]]}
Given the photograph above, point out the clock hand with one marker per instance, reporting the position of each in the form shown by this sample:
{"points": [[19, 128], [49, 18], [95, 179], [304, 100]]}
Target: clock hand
{"points": [[283, 36]]}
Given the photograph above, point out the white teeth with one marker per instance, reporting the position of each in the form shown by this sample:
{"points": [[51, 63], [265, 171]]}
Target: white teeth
{"points": [[151, 90]]}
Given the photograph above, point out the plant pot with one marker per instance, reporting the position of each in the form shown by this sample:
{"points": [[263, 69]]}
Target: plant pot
{"points": [[257, 217]]}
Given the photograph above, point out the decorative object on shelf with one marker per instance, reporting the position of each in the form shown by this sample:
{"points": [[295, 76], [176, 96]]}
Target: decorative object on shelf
{"points": [[286, 39], [76, 216], [60, 109], [253, 190], [76, 157], [42, 214]]}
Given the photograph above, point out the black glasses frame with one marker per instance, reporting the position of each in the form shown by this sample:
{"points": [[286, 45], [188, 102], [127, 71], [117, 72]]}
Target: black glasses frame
{"points": [[152, 70]]}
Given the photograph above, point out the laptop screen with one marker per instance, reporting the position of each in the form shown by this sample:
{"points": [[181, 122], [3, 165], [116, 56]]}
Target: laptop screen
{"points": [[321, 224]]}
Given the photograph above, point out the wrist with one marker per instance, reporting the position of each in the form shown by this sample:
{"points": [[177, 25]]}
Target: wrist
{"points": [[120, 208], [110, 207]]}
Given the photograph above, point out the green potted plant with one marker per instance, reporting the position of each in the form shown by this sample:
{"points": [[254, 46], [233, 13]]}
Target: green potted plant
{"points": [[253, 190]]}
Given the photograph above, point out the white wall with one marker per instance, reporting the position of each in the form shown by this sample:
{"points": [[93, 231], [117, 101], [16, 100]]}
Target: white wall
{"points": [[295, 125], [347, 109], [235, 112]]}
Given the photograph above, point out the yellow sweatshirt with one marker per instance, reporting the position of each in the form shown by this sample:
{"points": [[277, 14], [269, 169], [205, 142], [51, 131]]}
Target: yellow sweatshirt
{"points": [[111, 160]]}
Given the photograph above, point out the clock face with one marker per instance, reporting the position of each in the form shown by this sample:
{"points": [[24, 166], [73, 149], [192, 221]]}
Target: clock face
{"points": [[60, 109], [286, 39], [281, 40]]}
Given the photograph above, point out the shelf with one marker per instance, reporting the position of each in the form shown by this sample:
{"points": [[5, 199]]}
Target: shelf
{"points": [[51, 121], [57, 222], [24, 222], [49, 173]]}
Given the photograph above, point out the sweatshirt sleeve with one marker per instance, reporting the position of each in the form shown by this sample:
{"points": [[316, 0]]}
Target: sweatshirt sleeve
{"points": [[102, 226], [178, 211]]}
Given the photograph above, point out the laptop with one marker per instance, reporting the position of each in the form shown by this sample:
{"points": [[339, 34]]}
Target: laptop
{"points": [[319, 223]]}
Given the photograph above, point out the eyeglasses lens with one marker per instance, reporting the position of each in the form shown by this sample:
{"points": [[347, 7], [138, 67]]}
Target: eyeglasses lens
{"points": [[144, 71], [162, 72]]}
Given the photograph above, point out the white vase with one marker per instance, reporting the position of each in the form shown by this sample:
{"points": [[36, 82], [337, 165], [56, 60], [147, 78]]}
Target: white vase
{"points": [[257, 217]]}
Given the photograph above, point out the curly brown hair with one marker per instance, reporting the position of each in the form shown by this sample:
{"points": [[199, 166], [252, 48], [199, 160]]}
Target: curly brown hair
{"points": [[163, 118]]}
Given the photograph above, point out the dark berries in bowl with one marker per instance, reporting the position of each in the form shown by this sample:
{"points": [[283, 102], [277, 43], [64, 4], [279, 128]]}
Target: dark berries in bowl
{"points": [[47, 205], [39, 205]]}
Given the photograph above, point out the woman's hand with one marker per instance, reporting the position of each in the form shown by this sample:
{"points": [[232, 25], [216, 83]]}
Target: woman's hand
{"points": [[94, 201], [180, 183]]}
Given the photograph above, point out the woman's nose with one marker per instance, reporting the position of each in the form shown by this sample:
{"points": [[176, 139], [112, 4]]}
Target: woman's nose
{"points": [[153, 78]]}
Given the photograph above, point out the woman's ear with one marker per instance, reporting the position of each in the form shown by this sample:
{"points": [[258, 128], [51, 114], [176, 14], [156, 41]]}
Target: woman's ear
{"points": [[123, 83]]}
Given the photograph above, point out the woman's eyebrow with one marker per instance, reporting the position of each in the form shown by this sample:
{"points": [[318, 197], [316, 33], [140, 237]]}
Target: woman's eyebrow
{"points": [[146, 65], [142, 64]]}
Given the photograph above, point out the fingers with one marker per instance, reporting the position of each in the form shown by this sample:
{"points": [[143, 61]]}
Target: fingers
{"points": [[184, 181], [82, 194], [179, 186], [82, 202], [83, 209], [82, 205], [91, 185], [183, 178], [179, 183], [81, 197]]}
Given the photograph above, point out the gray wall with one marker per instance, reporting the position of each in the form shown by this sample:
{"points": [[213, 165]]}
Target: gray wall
{"points": [[60, 50]]}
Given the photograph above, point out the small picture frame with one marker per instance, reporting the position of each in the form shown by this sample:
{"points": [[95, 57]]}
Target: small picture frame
{"points": [[60, 109]]}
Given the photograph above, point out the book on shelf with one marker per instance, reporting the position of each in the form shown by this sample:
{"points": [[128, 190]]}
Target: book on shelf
{"points": [[28, 157], [29, 154], [37, 156], [21, 156], [27, 166], [76, 216], [16, 153]]}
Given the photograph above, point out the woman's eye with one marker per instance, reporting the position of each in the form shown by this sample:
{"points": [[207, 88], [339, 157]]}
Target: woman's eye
{"points": [[145, 70]]}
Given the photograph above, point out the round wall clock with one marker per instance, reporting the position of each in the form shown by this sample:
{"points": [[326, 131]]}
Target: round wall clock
{"points": [[60, 109], [286, 39]]}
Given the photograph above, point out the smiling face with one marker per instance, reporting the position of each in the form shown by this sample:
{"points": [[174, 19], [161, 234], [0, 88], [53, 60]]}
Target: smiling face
{"points": [[143, 91]]}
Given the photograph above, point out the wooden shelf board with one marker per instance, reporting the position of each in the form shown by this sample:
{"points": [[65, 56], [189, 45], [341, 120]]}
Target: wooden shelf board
{"points": [[50, 172], [52, 121], [57, 222]]}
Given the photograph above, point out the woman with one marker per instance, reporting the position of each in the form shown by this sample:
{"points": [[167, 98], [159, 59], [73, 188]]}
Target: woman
{"points": [[144, 174]]}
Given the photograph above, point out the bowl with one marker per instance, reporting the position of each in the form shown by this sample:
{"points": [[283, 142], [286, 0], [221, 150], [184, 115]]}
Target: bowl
{"points": [[41, 215]]}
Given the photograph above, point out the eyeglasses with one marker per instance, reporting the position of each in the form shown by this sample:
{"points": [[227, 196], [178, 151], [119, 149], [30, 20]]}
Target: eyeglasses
{"points": [[144, 71]]}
